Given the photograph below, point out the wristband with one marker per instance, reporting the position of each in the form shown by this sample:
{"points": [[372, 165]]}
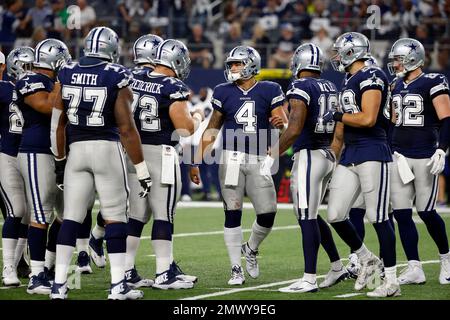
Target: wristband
{"points": [[337, 116], [141, 170]]}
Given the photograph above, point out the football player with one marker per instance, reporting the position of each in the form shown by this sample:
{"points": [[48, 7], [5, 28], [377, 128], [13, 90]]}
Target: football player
{"points": [[36, 92], [420, 138], [12, 189], [95, 104], [365, 162], [246, 109], [310, 97]]}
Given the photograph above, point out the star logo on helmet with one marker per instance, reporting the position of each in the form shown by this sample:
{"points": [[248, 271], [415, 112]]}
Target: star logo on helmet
{"points": [[155, 42], [348, 38], [183, 50], [60, 49], [16, 54], [249, 51], [412, 47]]}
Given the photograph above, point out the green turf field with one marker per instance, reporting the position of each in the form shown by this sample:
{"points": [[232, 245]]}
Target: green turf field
{"points": [[200, 250]]}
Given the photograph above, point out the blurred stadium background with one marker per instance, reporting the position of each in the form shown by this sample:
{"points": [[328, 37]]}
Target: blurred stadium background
{"points": [[211, 28]]}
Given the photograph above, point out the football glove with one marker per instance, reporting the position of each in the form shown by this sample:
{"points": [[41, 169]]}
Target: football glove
{"points": [[437, 162], [60, 166], [146, 184]]}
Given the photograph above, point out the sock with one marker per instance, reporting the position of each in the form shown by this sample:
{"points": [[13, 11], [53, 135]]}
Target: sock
{"points": [[134, 231], [98, 232], [10, 234], [65, 246], [311, 243], [327, 241], [53, 235], [233, 242], [348, 233], [116, 244], [50, 259], [310, 277], [386, 238], [162, 244], [337, 265], [357, 219], [391, 274], [22, 243], [436, 229], [82, 245], [362, 252], [257, 236], [408, 233], [37, 239]]}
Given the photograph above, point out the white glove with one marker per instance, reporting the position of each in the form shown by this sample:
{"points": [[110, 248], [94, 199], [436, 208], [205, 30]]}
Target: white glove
{"points": [[437, 162], [266, 165]]}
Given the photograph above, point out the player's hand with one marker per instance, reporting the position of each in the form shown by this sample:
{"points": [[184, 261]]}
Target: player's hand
{"points": [[277, 122], [266, 166], [146, 184], [200, 112], [328, 117], [60, 166], [437, 162], [195, 174]]}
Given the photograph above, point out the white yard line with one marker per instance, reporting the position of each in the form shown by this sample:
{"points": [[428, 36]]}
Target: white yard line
{"points": [[273, 284]]}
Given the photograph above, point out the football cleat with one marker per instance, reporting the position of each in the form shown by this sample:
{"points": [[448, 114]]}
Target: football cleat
{"points": [[83, 263], [444, 275], [121, 291], [333, 277], [250, 258], [97, 253], [9, 276], [353, 267], [168, 280], [180, 274], [39, 284], [59, 291], [386, 290], [134, 280], [237, 276], [412, 274], [300, 286], [368, 269]]}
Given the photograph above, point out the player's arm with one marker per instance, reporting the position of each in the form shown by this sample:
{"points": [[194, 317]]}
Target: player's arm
{"points": [[207, 140], [338, 139], [58, 138], [42, 101], [296, 122], [184, 122], [278, 118], [130, 138], [370, 105]]}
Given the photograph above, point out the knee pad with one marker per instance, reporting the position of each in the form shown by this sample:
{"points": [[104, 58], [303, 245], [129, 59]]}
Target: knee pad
{"points": [[115, 231], [162, 230], [135, 227], [266, 220], [67, 233], [426, 215], [233, 218]]}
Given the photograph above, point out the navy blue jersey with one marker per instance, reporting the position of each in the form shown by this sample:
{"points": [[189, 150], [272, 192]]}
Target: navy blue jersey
{"points": [[246, 126], [153, 94], [36, 128], [416, 131], [89, 92], [365, 144], [11, 120], [319, 95]]}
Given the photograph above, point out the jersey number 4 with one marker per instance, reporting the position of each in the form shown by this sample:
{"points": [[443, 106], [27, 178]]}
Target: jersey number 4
{"points": [[247, 117]]}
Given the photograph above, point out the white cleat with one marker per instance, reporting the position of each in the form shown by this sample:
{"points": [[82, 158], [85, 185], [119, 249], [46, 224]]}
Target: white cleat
{"points": [[412, 274], [97, 252], [9, 276], [444, 275], [135, 281], [39, 285], [251, 263], [300, 286], [369, 267], [180, 274], [237, 276], [333, 277], [385, 291], [353, 266], [121, 291], [168, 280]]}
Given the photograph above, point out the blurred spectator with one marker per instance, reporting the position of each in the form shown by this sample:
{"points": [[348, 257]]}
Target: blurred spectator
{"points": [[422, 35], [270, 18], [261, 42], [9, 22], [286, 46], [348, 16], [199, 13], [88, 16], [323, 41], [153, 16], [124, 17], [179, 18], [410, 18], [39, 15], [57, 20], [200, 48], [301, 20], [391, 23], [38, 35], [443, 56], [233, 38], [249, 12]]}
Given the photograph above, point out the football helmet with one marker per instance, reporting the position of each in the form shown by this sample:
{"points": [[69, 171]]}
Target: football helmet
{"points": [[410, 54], [19, 61], [349, 47], [250, 59]]}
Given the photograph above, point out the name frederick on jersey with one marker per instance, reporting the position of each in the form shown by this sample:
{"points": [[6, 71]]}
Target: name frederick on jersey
{"points": [[149, 87]]}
